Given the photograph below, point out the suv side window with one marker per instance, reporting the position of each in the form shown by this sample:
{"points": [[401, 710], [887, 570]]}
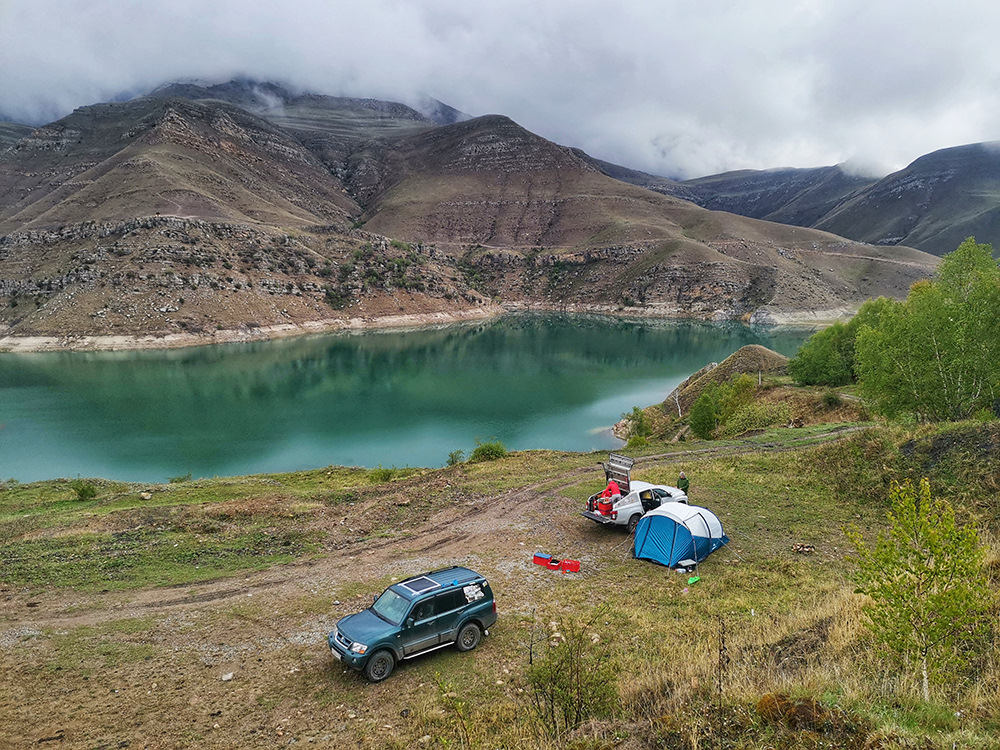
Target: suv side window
{"points": [[423, 610], [448, 602]]}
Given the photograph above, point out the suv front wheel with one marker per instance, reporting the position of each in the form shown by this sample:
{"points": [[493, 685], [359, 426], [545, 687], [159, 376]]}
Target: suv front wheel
{"points": [[379, 666], [468, 637]]}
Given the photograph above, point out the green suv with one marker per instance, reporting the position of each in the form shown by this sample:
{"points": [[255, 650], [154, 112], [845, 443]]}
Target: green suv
{"points": [[421, 614]]}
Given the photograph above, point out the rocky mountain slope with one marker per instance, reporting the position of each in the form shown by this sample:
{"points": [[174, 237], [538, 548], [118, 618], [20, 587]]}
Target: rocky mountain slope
{"points": [[532, 220], [232, 210]]}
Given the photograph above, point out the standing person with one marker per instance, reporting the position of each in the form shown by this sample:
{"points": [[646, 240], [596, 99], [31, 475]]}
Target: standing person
{"points": [[683, 483]]}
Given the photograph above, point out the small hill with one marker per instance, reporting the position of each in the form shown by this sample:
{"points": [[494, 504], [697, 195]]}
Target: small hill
{"points": [[752, 359]]}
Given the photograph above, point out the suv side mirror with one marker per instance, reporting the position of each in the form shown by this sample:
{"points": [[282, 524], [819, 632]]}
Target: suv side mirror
{"points": [[409, 622]]}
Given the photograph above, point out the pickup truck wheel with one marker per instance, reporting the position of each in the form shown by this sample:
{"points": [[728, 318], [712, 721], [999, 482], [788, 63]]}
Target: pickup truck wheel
{"points": [[379, 666], [632, 523], [468, 637]]}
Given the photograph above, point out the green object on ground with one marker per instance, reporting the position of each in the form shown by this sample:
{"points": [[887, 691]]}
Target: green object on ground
{"points": [[694, 579]]}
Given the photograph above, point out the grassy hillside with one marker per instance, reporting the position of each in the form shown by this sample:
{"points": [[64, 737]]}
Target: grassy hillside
{"points": [[194, 613]]}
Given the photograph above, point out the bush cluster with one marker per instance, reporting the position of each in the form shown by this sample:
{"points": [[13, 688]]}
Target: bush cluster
{"points": [[490, 451]]}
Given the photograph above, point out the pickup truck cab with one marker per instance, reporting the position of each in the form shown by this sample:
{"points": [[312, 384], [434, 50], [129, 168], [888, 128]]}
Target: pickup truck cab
{"points": [[451, 606]]}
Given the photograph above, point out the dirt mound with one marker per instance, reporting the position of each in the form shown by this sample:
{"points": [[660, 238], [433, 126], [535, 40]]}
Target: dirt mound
{"points": [[751, 359]]}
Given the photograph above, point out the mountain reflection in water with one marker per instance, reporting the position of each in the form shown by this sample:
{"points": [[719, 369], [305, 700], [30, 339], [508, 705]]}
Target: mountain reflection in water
{"points": [[387, 398]]}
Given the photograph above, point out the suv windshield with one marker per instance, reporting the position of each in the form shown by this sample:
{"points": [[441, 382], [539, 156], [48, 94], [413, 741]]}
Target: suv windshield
{"points": [[391, 606]]}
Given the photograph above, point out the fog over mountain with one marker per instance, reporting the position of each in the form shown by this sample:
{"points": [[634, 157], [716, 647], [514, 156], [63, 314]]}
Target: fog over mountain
{"points": [[674, 89]]}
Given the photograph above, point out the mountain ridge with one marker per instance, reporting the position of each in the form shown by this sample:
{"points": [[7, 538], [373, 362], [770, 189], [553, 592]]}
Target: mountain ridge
{"points": [[169, 215]]}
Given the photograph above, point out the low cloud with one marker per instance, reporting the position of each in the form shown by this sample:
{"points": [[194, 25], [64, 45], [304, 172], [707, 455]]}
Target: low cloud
{"points": [[676, 89]]}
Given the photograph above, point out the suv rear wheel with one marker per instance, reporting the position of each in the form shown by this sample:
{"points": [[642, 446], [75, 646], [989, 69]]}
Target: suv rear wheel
{"points": [[632, 523], [379, 666], [468, 637]]}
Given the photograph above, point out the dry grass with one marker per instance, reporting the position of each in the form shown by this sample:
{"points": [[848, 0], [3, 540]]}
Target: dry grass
{"points": [[792, 626]]}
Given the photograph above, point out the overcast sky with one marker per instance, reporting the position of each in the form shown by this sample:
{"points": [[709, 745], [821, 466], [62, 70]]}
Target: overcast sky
{"points": [[680, 89]]}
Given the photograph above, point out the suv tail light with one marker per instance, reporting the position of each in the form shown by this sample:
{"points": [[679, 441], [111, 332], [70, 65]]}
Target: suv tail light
{"points": [[494, 606]]}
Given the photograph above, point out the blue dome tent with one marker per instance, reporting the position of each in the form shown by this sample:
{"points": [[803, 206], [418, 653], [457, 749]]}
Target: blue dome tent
{"points": [[676, 534]]}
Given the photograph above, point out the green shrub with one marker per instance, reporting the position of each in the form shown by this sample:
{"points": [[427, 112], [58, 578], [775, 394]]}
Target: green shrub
{"points": [[574, 678], [832, 399], [335, 297], [756, 416], [84, 490], [381, 474], [180, 479], [638, 423], [930, 599], [490, 451], [636, 441], [456, 457]]}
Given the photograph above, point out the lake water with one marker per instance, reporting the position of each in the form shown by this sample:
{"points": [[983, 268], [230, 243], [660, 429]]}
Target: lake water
{"points": [[388, 398]]}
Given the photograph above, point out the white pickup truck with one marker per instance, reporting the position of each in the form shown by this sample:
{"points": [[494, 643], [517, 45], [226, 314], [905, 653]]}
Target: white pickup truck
{"points": [[637, 497]]}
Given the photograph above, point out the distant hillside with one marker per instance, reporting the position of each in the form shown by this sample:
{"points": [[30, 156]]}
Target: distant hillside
{"points": [[790, 196], [170, 216], [246, 207], [932, 205], [11, 133], [115, 162]]}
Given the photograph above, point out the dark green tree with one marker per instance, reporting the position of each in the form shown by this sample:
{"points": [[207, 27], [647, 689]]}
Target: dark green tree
{"points": [[704, 417], [826, 358], [929, 597]]}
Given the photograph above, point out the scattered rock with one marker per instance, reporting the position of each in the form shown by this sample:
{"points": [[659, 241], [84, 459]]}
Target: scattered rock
{"points": [[227, 676]]}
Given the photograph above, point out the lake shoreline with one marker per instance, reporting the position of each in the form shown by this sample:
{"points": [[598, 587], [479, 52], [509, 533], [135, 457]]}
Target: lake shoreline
{"points": [[13, 344]]}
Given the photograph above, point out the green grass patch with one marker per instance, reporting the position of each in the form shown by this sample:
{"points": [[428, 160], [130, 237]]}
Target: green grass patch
{"points": [[145, 557]]}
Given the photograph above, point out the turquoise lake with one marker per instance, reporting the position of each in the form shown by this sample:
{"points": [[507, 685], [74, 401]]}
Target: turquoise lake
{"points": [[386, 398]]}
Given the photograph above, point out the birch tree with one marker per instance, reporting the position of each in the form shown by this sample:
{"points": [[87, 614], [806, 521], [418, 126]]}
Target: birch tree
{"points": [[929, 596]]}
